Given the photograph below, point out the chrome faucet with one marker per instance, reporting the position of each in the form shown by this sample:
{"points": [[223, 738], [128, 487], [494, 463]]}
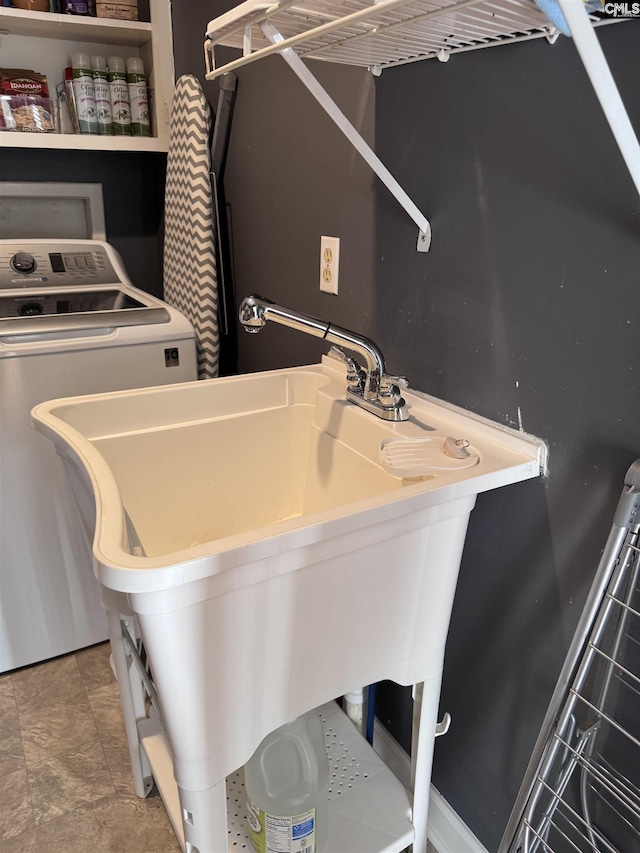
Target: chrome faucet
{"points": [[368, 387]]}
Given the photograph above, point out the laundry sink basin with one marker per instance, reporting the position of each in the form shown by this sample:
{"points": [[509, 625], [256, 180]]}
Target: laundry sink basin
{"points": [[237, 463], [190, 472], [278, 546]]}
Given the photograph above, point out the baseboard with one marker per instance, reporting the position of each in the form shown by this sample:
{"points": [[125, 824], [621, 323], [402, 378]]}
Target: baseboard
{"points": [[446, 830]]}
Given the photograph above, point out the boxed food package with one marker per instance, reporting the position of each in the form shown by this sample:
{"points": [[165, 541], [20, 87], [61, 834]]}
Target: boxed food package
{"points": [[24, 101], [28, 113], [31, 5], [125, 10], [19, 81]]}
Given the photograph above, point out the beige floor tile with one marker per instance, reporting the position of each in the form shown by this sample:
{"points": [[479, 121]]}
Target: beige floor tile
{"points": [[107, 711], [6, 690], [11, 751], [26, 842], [133, 824], [114, 824], [67, 781], [57, 728], [65, 776], [117, 755], [95, 666], [16, 812], [47, 684]]}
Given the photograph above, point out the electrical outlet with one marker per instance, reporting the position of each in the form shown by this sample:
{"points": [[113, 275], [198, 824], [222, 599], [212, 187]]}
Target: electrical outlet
{"points": [[329, 263]]}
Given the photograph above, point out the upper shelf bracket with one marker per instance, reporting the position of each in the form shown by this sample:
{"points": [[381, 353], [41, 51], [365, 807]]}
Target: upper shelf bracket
{"points": [[342, 122]]}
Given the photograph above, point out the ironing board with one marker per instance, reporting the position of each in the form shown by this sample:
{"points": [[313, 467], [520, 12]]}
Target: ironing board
{"points": [[190, 264]]}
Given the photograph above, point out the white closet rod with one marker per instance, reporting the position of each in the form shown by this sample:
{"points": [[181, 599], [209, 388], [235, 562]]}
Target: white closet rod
{"points": [[595, 64]]}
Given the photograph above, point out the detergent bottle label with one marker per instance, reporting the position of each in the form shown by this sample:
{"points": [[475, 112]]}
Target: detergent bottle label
{"points": [[276, 834]]}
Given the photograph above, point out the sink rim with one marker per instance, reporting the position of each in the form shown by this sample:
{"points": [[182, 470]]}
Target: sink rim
{"points": [[526, 459]]}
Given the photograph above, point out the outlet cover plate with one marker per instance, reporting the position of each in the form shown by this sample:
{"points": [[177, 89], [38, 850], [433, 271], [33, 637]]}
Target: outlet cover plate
{"points": [[329, 264]]}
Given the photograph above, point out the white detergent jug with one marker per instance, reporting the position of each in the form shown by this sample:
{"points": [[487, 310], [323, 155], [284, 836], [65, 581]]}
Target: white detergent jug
{"points": [[287, 784]]}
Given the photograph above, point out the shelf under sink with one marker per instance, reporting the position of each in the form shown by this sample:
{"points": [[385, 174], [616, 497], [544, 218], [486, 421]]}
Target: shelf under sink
{"points": [[369, 808]]}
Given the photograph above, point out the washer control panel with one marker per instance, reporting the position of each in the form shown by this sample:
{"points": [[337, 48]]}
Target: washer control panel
{"points": [[40, 265]]}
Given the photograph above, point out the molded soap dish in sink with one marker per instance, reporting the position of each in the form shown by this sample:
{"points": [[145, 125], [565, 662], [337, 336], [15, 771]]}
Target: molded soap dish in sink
{"points": [[419, 457]]}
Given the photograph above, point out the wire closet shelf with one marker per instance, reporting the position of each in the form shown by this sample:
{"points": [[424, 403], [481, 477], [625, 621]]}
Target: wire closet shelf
{"points": [[582, 788], [377, 35]]}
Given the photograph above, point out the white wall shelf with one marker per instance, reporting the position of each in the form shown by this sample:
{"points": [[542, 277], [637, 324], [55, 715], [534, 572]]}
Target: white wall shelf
{"points": [[380, 35], [81, 142], [44, 42], [18, 22]]}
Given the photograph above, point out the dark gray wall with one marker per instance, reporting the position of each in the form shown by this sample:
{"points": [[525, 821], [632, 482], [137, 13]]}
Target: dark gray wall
{"points": [[526, 310], [133, 191]]}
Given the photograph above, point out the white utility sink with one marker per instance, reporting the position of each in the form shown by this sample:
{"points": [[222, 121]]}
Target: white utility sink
{"points": [[270, 558]]}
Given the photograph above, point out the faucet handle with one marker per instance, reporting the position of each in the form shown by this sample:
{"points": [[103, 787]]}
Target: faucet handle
{"points": [[389, 392], [355, 374], [387, 381]]}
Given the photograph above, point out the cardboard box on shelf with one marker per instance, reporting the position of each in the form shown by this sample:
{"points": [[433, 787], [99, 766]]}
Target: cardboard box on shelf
{"points": [[124, 10]]}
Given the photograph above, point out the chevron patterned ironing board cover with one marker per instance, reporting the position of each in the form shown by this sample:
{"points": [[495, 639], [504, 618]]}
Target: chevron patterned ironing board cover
{"points": [[190, 269]]}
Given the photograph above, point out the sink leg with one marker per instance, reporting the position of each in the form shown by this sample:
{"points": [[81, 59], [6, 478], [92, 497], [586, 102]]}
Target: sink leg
{"points": [[426, 696], [132, 701], [204, 819]]}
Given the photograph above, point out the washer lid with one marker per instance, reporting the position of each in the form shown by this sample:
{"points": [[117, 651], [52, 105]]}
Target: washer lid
{"points": [[30, 312], [51, 210]]}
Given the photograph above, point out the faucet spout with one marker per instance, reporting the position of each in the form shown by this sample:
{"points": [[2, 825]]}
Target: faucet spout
{"points": [[256, 310], [374, 389]]}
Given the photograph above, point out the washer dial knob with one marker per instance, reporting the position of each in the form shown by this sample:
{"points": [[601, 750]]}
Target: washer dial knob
{"points": [[23, 262]]}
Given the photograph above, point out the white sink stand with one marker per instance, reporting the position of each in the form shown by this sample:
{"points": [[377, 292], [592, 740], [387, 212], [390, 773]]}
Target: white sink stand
{"points": [[370, 810]]}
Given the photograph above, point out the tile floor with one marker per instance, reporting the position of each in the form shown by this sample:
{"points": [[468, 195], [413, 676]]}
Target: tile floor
{"points": [[65, 781]]}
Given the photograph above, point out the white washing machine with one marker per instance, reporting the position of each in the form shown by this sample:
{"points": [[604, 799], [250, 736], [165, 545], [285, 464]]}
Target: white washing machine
{"points": [[71, 323]]}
